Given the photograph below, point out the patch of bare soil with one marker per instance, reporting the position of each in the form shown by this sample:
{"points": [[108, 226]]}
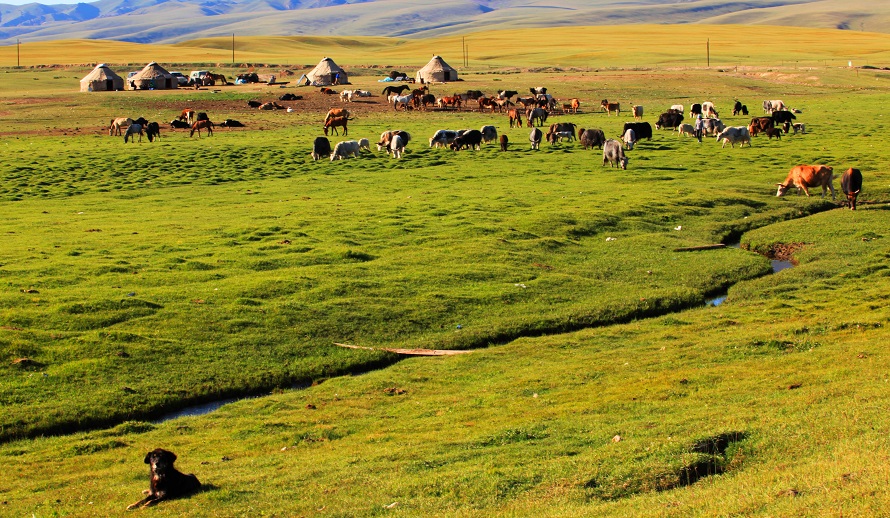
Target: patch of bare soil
{"points": [[784, 251]]}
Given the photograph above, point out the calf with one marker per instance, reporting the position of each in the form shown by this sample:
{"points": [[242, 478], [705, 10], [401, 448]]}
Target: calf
{"points": [[805, 176], [851, 184], [471, 139], [345, 149], [686, 129], [629, 138], [489, 133], [613, 153], [503, 140], [610, 107], [774, 133], [637, 110]]}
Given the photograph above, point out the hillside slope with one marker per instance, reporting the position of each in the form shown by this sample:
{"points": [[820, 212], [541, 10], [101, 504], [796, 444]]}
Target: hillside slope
{"points": [[171, 21]]}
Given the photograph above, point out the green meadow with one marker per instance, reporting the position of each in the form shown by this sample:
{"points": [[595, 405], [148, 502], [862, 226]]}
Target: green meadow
{"points": [[141, 279]]}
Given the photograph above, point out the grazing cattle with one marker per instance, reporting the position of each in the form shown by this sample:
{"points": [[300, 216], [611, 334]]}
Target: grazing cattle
{"points": [[708, 110], [453, 101], [474, 94], [760, 124], [471, 139], [321, 147], [231, 123], [389, 90], [591, 138], [629, 138], [344, 149], [515, 118], [442, 138], [336, 112], [116, 126], [805, 176], [558, 127], [771, 106], [133, 130], [538, 90], [642, 129], [637, 110], [503, 140], [427, 100], [711, 127], [178, 124], [677, 108], [527, 102], [489, 133], [610, 107], [386, 138], [774, 133], [695, 110], [686, 129], [397, 146], [782, 116], [851, 184], [187, 115], [202, 124], [559, 136], [733, 135], [739, 109], [536, 114], [507, 94], [152, 131], [535, 138], [401, 100], [613, 153], [669, 119], [254, 104], [336, 122], [799, 128], [575, 104]]}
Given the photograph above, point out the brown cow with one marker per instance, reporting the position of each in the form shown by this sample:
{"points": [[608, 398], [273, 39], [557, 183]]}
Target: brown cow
{"points": [[334, 122], [760, 124], [187, 115], [515, 117], [503, 140], [851, 184], [804, 176], [637, 110], [575, 104], [611, 107]]}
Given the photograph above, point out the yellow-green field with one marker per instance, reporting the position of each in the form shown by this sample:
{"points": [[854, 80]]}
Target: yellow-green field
{"points": [[587, 47]]}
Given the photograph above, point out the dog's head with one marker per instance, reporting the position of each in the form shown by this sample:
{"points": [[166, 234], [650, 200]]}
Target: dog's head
{"points": [[160, 460]]}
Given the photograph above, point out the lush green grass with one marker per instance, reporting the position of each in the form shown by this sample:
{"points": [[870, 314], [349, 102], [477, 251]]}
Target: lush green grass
{"points": [[140, 278]]}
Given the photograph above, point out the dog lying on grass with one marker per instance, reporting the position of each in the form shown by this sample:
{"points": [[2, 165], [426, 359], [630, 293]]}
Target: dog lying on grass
{"points": [[166, 481]]}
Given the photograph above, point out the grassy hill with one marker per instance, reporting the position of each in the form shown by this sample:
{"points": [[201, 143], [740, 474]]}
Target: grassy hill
{"points": [[139, 278]]}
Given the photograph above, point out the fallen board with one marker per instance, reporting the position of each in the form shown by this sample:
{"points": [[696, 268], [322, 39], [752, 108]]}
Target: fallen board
{"points": [[407, 352]]}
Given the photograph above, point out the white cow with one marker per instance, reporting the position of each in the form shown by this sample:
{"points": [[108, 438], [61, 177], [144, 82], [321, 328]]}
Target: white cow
{"points": [[344, 149], [733, 134], [397, 146], [686, 129]]}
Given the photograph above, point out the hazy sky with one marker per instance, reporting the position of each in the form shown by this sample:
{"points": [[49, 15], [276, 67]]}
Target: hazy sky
{"points": [[45, 2]]}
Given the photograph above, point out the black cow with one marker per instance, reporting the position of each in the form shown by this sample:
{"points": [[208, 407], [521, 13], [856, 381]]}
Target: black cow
{"points": [[851, 183], [694, 110], [507, 94], [643, 130], [475, 94], [782, 116], [290, 97], [152, 131], [254, 104], [669, 119], [231, 123], [471, 139], [178, 124], [321, 148]]}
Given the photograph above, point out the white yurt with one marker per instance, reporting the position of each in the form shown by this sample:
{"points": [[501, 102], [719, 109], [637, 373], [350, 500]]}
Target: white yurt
{"points": [[101, 79]]}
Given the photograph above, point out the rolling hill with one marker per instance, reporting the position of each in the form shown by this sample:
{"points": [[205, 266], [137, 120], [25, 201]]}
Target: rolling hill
{"points": [[172, 21]]}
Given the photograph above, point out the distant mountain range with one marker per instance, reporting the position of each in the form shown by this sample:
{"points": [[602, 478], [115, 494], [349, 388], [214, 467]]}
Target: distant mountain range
{"points": [[173, 21]]}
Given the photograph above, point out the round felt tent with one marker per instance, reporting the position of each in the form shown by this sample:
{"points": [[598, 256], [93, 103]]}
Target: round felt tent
{"points": [[153, 77], [101, 79], [327, 73], [436, 71]]}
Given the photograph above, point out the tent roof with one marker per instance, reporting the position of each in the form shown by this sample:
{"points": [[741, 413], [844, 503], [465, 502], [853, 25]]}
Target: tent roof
{"points": [[437, 64], [101, 73], [151, 71]]}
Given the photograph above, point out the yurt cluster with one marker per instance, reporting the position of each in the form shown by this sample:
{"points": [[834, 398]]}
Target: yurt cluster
{"points": [[154, 77]]}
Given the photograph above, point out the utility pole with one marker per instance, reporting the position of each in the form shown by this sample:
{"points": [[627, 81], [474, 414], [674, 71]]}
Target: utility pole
{"points": [[18, 52], [233, 49], [709, 52]]}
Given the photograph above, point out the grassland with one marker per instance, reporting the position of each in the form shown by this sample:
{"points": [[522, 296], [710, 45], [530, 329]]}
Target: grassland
{"points": [[137, 279]]}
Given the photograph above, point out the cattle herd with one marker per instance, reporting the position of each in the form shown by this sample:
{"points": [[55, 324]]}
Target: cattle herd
{"points": [[534, 110]]}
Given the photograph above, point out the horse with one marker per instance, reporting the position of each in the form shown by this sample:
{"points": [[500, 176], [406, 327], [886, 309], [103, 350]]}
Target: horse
{"points": [[202, 124], [187, 115], [611, 107], [389, 90], [217, 77], [153, 131], [132, 131], [402, 100], [453, 101], [116, 125]]}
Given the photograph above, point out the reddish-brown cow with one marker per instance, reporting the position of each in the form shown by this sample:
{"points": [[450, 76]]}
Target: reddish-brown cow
{"points": [[804, 176]]}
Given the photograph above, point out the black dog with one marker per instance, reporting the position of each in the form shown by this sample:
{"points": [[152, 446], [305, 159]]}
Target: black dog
{"points": [[166, 481]]}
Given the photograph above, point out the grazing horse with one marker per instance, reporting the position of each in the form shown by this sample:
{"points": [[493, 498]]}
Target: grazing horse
{"points": [[336, 112], [389, 90], [152, 131], [536, 114], [334, 122], [187, 115], [202, 124], [117, 125], [453, 101], [133, 130], [217, 77], [401, 100], [611, 107], [515, 118]]}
